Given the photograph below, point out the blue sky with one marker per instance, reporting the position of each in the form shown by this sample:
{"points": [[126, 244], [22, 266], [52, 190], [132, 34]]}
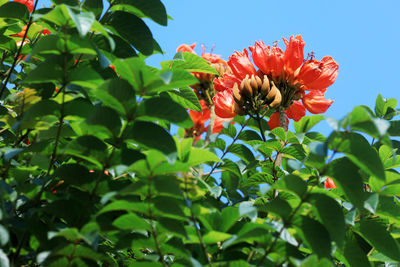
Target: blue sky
{"points": [[362, 36]]}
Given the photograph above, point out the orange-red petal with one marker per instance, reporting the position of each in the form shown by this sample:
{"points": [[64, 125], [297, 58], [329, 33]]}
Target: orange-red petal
{"points": [[318, 75], [274, 121], [316, 103], [226, 82], [268, 59], [224, 104], [296, 111], [294, 54], [241, 65], [186, 48]]}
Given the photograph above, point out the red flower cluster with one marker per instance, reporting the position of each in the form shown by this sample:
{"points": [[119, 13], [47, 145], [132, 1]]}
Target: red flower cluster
{"points": [[205, 84], [285, 70]]}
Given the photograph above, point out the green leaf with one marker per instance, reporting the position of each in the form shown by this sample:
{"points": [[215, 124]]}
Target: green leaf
{"points": [[242, 152], [278, 206], [192, 63], [153, 136], [346, 176], [379, 237], [229, 217], [384, 107], [316, 237], [248, 135], [14, 10], [353, 253], [95, 6], [213, 237], [293, 184], [279, 133], [331, 216], [379, 106], [394, 129], [4, 236], [167, 80], [294, 151], [371, 202], [164, 109], [85, 77], [153, 9], [361, 120], [83, 21], [198, 156], [186, 98], [45, 72], [134, 30], [74, 174], [388, 207], [106, 117], [89, 148], [358, 150], [7, 43], [131, 221], [307, 122], [42, 108], [172, 226], [81, 107], [117, 94]]}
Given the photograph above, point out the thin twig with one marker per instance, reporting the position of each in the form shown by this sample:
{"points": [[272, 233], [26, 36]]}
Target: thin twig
{"points": [[261, 128], [285, 224], [153, 229], [226, 150], [19, 51], [193, 218]]}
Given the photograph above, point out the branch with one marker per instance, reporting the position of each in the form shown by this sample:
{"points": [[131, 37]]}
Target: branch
{"points": [[260, 126], [285, 224], [193, 218], [226, 151], [153, 229], [19, 51]]}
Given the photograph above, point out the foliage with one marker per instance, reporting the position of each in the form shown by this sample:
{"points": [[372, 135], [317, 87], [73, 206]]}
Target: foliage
{"points": [[91, 173]]}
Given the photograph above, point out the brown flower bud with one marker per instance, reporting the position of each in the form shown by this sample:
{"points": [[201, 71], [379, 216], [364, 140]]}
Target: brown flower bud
{"points": [[274, 95], [236, 95], [245, 87], [264, 90]]}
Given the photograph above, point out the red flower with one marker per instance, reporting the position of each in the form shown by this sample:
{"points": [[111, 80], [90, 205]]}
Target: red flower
{"points": [[186, 48], [274, 121], [318, 75], [294, 54], [329, 183], [241, 65], [296, 111], [224, 104], [268, 59], [29, 3], [200, 117], [218, 124], [316, 103], [46, 32], [226, 82]]}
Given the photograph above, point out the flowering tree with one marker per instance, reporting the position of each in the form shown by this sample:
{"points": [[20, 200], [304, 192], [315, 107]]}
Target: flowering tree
{"points": [[91, 173]]}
